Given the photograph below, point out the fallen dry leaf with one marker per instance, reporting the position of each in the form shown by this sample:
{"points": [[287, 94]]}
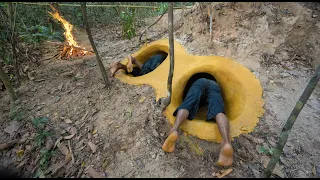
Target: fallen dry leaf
{"points": [[254, 139], [142, 99], [60, 86], [56, 167], [57, 143], [12, 128], [278, 172], [68, 157], [104, 164], [225, 173], [93, 147], [69, 137], [56, 114], [49, 143], [93, 173], [83, 164], [72, 130], [94, 131], [68, 121], [31, 75], [20, 152], [314, 171], [22, 163], [63, 148], [265, 160]]}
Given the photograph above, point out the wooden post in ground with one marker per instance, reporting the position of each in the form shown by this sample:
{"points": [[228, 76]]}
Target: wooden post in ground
{"points": [[7, 84], [290, 121], [102, 68], [166, 101], [171, 49]]}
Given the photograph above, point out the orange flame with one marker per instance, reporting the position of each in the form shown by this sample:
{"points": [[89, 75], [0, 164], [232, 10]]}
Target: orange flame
{"points": [[68, 32]]}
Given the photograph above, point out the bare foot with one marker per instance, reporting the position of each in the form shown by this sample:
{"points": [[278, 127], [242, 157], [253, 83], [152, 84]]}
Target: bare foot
{"points": [[114, 68], [170, 143], [129, 65], [226, 155]]}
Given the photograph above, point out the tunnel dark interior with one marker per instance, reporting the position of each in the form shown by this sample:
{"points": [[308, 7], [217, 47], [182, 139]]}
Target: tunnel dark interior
{"points": [[194, 78], [136, 70], [202, 111]]}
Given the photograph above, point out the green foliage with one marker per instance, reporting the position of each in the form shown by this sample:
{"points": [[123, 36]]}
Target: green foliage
{"points": [[266, 151], [39, 124], [41, 136], [43, 163], [128, 27], [17, 115], [162, 8], [38, 33]]}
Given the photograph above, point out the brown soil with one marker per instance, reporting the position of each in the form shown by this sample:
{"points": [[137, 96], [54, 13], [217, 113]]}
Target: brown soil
{"points": [[278, 42]]}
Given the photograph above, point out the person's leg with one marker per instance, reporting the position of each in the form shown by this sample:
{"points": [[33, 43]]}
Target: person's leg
{"points": [[135, 61], [115, 67], [226, 152], [128, 68], [216, 110], [169, 144], [187, 110]]}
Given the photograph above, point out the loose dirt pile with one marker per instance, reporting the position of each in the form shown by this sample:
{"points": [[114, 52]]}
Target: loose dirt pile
{"points": [[118, 132]]}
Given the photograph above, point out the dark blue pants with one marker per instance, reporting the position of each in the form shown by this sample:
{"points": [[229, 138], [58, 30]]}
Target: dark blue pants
{"points": [[152, 63], [203, 92]]}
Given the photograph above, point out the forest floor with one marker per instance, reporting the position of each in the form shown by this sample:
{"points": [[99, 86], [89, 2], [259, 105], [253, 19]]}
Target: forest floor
{"points": [[99, 132]]}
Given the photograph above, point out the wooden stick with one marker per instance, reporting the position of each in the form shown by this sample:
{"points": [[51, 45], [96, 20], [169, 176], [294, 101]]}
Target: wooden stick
{"points": [[71, 151], [102, 68], [79, 48], [290, 121], [11, 143], [171, 50]]}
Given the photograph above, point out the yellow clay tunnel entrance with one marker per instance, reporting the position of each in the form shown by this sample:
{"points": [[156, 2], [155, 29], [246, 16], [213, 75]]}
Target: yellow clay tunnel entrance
{"points": [[242, 92]]}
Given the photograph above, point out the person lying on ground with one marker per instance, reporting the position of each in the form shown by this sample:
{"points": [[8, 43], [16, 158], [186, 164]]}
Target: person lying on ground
{"points": [[152, 63], [202, 92]]}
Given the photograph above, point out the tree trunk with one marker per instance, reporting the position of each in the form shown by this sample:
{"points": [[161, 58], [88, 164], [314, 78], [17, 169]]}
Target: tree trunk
{"points": [[171, 49], [290, 121], [102, 68], [7, 84], [12, 14]]}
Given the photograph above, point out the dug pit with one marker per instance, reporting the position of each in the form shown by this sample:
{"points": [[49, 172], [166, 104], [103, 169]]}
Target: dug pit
{"points": [[241, 91]]}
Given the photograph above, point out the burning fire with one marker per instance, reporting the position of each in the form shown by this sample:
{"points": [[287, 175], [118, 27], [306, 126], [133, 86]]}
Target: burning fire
{"points": [[73, 49]]}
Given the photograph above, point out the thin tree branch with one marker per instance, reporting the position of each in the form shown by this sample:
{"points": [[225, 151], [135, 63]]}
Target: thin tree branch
{"points": [[102, 68], [152, 24], [290, 121], [171, 49]]}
